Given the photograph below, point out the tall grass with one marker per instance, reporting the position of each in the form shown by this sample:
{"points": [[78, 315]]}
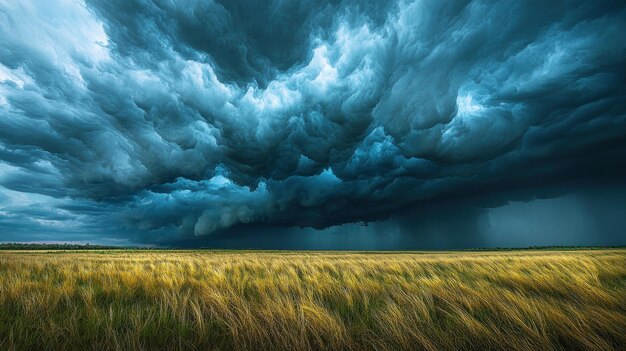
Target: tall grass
{"points": [[313, 301]]}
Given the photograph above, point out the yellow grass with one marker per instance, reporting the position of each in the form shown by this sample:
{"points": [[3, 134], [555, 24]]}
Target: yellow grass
{"points": [[539, 300]]}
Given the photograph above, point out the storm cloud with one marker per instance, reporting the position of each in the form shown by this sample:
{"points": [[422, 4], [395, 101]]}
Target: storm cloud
{"points": [[159, 121]]}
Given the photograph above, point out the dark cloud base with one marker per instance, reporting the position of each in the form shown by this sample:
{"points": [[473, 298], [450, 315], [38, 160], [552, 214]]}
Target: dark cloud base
{"points": [[588, 215], [287, 124]]}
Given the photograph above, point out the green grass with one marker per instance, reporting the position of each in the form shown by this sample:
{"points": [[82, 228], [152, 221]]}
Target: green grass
{"points": [[222, 300]]}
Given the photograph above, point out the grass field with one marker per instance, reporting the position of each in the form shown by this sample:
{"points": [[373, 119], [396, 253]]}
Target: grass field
{"points": [[517, 300]]}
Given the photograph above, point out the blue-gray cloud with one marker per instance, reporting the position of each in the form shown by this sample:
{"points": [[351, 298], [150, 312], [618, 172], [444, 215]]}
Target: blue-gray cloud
{"points": [[157, 120]]}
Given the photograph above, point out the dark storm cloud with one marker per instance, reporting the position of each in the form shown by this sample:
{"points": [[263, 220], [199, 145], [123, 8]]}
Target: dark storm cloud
{"points": [[155, 121]]}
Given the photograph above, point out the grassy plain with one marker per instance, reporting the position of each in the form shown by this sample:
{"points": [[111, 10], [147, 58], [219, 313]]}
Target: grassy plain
{"points": [[205, 300]]}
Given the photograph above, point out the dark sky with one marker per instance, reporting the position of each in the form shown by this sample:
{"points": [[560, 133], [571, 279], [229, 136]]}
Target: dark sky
{"points": [[300, 124]]}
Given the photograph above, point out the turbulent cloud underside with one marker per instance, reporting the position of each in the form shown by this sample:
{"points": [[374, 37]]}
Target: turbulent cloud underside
{"points": [[158, 120]]}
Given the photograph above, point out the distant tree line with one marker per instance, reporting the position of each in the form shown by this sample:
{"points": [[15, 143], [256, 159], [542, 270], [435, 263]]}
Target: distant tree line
{"points": [[547, 248], [22, 246]]}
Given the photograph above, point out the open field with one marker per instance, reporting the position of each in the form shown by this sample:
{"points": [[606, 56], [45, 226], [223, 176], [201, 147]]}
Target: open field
{"points": [[202, 300]]}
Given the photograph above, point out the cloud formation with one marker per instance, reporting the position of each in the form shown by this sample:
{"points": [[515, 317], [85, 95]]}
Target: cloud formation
{"points": [[161, 120]]}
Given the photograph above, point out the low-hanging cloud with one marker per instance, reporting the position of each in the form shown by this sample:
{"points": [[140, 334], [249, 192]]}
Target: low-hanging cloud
{"points": [[162, 119]]}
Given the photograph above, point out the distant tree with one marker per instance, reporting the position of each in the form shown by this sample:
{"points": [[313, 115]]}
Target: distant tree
{"points": [[64, 246]]}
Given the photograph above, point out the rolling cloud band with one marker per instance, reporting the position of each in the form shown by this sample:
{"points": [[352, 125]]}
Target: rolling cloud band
{"points": [[157, 121]]}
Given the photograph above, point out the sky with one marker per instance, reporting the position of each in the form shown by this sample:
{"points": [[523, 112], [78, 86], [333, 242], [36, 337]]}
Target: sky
{"points": [[285, 124]]}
